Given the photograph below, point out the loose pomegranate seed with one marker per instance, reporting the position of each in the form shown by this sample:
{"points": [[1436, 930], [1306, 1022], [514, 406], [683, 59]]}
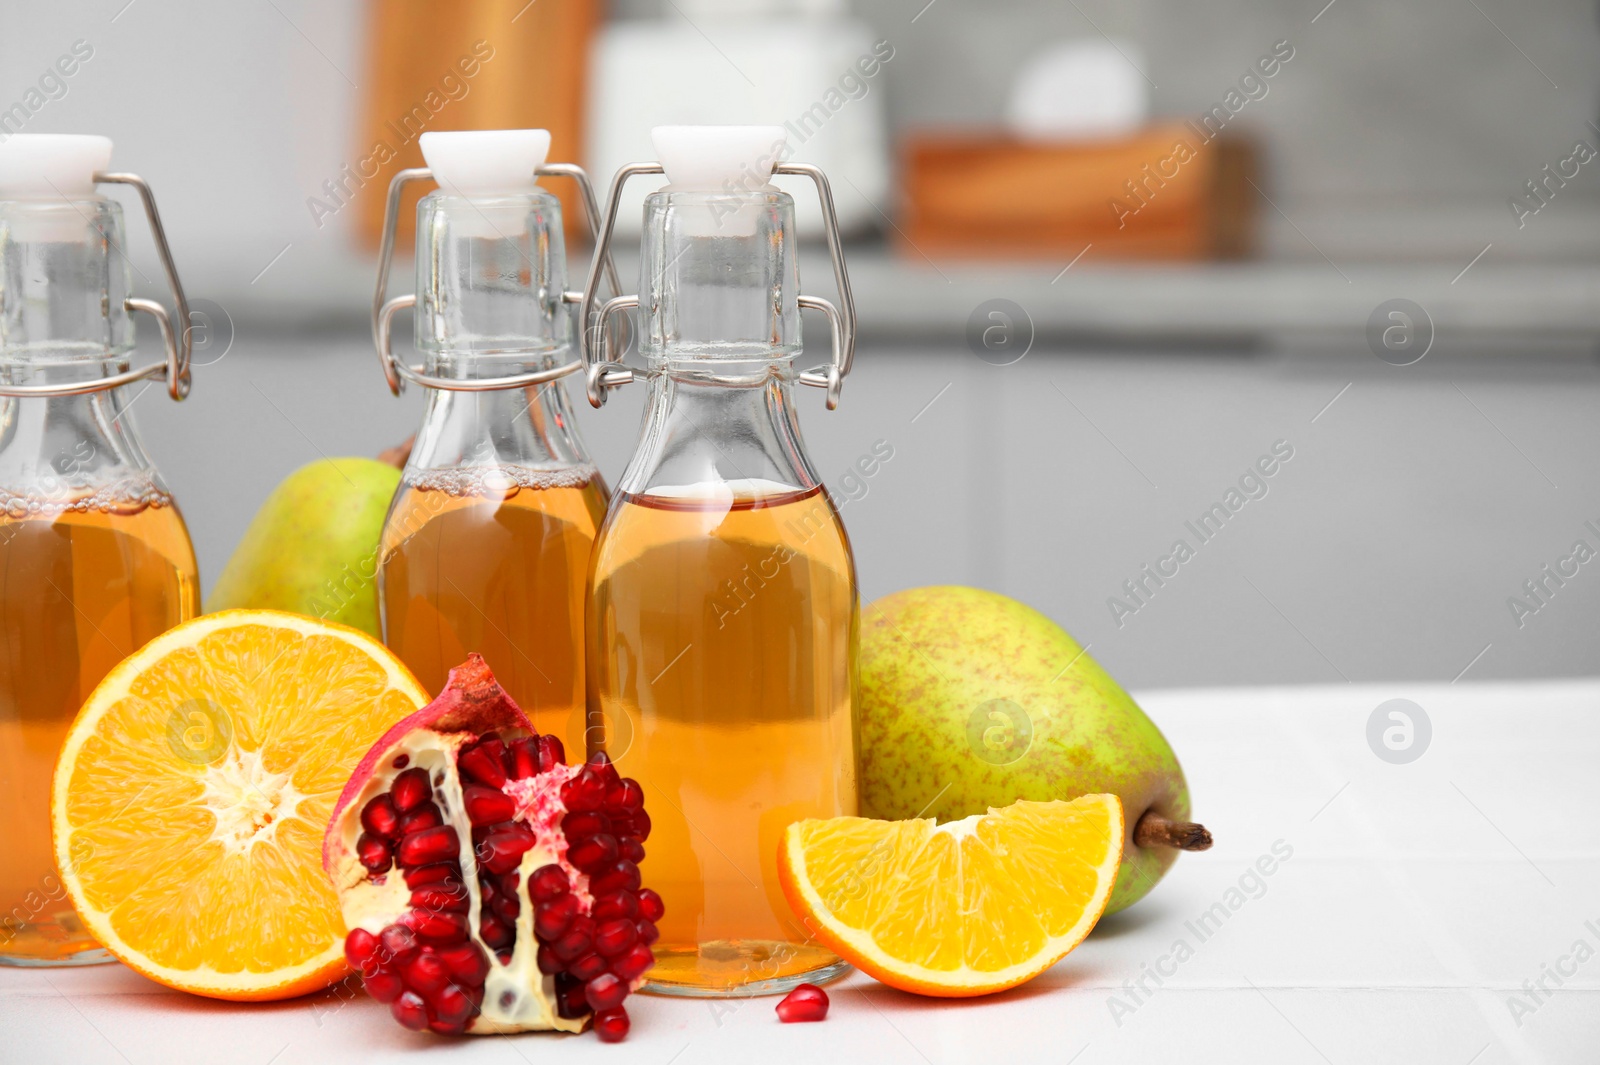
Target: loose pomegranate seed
{"points": [[551, 753], [621, 876], [635, 963], [411, 789], [650, 905], [616, 904], [483, 765], [587, 967], [380, 818], [808, 1002], [488, 806], [611, 1025], [595, 853], [429, 846], [361, 950], [373, 854], [547, 882], [426, 974], [552, 919], [614, 937], [648, 933], [410, 1010], [385, 987], [604, 992]]}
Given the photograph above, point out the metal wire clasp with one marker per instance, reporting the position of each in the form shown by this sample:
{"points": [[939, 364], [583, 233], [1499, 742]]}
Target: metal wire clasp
{"points": [[602, 372], [397, 373], [179, 344]]}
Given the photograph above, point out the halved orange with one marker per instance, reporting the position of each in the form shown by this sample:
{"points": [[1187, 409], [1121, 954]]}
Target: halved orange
{"points": [[193, 789], [964, 908]]}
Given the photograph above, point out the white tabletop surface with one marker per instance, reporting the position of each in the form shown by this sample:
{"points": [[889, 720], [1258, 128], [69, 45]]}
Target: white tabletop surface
{"points": [[1416, 902]]}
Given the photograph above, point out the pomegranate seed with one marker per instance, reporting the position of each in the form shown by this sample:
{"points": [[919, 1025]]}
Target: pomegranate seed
{"points": [[379, 817], [429, 846], [650, 905], [361, 950], [587, 967], [552, 919], [584, 792], [401, 761], [524, 755], [547, 961], [570, 1000], [425, 816], [397, 944], [627, 793], [426, 974], [577, 940], [452, 1010], [641, 825], [440, 928], [617, 904], [808, 1002], [410, 1011], [576, 825], [611, 1025], [443, 896], [373, 853], [604, 992], [547, 882], [466, 964], [551, 753], [600, 763], [495, 933], [385, 987], [501, 850], [595, 853], [411, 789], [487, 806], [635, 963], [622, 876], [506, 907], [483, 764], [432, 874], [614, 937], [648, 933], [632, 850]]}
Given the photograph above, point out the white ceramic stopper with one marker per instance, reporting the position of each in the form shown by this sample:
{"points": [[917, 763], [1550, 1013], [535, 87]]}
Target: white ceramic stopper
{"points": [[54, 166], [485, 162], [719, 158]]}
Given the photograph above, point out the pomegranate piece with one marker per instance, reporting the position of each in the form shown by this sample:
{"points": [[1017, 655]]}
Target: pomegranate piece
{"points": [[808, 1002], [485, 823]]}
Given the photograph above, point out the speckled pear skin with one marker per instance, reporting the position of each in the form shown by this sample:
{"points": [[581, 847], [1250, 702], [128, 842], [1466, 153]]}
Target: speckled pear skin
{"points": [[312, 547], [933, 744]]}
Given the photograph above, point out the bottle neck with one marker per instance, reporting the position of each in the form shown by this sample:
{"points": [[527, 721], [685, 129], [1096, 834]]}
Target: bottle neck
{"points": [[507, 429], [74, 452]]}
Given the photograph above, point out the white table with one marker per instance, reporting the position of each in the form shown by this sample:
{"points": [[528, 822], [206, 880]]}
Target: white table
{"points": [[1417, 900]]}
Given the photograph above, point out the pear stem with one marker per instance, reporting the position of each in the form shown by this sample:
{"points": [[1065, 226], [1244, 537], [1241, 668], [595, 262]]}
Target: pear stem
{"points": [[398, 455], [1153, 830]]}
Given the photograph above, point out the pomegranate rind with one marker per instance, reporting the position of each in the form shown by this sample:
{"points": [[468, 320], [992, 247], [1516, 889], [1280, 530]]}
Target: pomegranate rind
{"points": [[232, 983], [472, 703]]}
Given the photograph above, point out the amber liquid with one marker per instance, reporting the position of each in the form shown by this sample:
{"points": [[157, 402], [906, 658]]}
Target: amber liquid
{"points": [[495, 562], [79, 592], [722, 648]]}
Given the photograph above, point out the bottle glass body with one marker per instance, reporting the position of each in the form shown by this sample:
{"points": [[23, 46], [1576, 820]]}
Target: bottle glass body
{"points": [[95, 559], [722, 631], [486, 545]]}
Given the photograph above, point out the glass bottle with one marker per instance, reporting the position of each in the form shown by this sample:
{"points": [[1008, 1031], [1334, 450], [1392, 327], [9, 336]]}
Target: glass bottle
{"points": [[486, 545], [95, 559], [723, 606]]}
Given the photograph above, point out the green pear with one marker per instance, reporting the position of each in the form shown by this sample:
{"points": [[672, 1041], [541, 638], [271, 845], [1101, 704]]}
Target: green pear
{"points": [[312, 548], [968, 699]]}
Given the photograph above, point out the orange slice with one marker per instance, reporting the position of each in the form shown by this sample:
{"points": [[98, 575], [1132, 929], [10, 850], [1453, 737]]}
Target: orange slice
{"points": [[193, 789], [964, 908]]}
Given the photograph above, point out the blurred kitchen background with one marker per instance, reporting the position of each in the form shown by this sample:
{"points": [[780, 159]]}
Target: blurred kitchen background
{"points": [[1075, 337]]}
